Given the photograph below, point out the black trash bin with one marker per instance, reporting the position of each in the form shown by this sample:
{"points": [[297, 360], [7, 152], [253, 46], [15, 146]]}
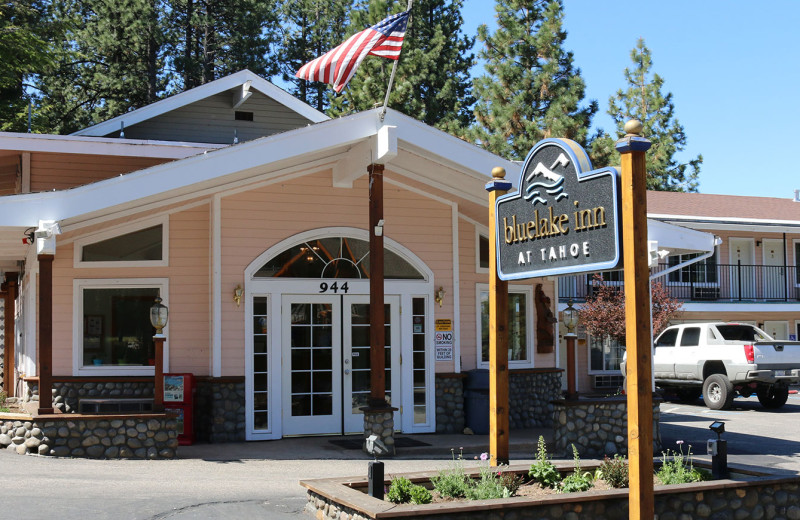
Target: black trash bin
{"points": [[476, 401]]}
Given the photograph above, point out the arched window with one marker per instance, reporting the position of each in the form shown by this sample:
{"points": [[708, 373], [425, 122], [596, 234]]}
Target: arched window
{"points": [[334, 257]]}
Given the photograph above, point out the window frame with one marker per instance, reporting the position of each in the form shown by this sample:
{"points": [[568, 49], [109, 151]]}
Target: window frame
{"points": [[527, 291], [481, 232], [705, 263], [78, 286], [597, 372], [124, 229]]}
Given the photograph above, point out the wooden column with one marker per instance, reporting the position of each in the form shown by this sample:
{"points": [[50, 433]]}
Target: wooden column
{"points": [[44, 358], [632, 149], [10, 296], [498, 333], [572, 393], [158, 383], [377, 339]]}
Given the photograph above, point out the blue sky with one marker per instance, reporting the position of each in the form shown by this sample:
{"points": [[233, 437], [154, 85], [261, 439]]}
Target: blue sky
{"points": [[733, 68]]}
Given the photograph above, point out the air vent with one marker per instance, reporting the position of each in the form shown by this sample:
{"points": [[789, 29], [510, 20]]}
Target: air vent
{"points": [[243, 116]]}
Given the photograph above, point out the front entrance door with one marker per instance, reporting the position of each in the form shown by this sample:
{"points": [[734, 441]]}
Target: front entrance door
{"points": [[325, 351], [742, 277], [774, 271]]}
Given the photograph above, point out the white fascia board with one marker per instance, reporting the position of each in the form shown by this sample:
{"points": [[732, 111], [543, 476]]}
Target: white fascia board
{"points": [[70, 144], [450, 151], [196, 94], [679, 240], [726, 222], [167, 180]]}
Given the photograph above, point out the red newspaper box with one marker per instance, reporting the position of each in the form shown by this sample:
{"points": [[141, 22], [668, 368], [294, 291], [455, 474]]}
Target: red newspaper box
{"points": [[179, 400]]}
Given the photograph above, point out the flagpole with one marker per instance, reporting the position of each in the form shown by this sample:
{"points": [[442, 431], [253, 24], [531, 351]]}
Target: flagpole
{"points": [[394, 69]]}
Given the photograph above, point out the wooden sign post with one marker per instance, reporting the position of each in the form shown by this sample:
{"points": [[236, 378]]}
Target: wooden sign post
{"points": [[632, 149], [498, 334]]}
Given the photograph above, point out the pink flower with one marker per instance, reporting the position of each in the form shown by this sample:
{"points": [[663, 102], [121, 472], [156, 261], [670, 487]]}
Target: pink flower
{"points": [[679, 442], [484, 456]]}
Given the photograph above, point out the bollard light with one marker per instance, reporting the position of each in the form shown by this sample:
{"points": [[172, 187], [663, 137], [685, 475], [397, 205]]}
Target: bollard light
{"points": [[718, 449]]}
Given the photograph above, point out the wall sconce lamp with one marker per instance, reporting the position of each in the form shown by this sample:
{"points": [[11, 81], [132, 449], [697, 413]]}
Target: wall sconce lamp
{"points": [[439, 297], [237, 294]]}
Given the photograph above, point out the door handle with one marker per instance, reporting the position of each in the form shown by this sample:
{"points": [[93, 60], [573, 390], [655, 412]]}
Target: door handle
{"points": [[346, 371]]}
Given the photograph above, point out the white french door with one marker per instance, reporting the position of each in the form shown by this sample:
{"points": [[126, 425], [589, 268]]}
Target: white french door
{"points": [[356, 357], [326, 361]]}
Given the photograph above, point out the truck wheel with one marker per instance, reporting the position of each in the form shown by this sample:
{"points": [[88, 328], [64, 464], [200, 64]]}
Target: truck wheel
{"points": [[772, 396], [688, 394], [718, 392]]}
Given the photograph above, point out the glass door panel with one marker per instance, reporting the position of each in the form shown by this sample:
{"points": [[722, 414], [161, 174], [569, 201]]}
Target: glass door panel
{"points": [[312, 354]]}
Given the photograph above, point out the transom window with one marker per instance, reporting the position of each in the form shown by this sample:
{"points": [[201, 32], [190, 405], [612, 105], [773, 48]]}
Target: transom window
{"points": [[334, 257], [143, 244]]}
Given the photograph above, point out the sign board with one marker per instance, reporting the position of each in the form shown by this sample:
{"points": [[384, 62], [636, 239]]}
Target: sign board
{"points": [[443, 340], [563, 219]]}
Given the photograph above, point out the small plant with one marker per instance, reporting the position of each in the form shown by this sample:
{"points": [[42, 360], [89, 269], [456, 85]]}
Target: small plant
{"points": [[614, 471], [543, 471], [452, 483], [577, 480], [679, 470], [3, 407], [403, 491]]}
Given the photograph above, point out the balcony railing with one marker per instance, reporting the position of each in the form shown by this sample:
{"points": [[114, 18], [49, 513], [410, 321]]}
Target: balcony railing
{"points": [[703, 283]]}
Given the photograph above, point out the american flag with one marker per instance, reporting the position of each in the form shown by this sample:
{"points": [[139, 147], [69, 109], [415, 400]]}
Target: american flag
{"points": [[338, 65]]}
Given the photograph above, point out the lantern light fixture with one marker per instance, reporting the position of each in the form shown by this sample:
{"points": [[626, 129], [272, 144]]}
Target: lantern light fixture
{"points": [[159, 314], [570, 316], [439, 298], [237, 294]]}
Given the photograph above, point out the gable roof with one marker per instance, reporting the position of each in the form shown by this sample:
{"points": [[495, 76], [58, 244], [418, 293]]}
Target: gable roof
{"points": [[238, 79], [722, 209]]}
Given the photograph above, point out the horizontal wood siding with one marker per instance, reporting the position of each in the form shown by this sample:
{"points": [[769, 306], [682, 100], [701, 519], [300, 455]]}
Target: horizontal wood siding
{"points": [[9, 167], [189, 294], [54, 171], [255, 220], [211, 120]]}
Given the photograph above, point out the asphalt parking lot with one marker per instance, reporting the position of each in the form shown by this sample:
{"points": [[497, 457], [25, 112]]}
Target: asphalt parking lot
{"points": [[260, 479]]}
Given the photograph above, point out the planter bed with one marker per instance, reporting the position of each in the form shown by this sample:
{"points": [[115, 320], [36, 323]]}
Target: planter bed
{"points": [[747, 494]]}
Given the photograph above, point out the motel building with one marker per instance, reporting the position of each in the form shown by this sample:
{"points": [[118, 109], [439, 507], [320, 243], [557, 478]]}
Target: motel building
{"points": [[246, 212]]}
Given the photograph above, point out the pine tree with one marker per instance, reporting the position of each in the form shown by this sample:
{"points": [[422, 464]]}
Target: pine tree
{"points": [[310, 29], [109, 60], [644, 100], [432, 81], [25, 36], [531, 90], [209, 39]]}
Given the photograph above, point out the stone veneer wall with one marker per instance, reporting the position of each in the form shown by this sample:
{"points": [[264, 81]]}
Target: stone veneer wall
{"points": [[381, 424], [597, 427], [219, 409], [531, 395], [66, 395], [152, 436], [449, 405]]}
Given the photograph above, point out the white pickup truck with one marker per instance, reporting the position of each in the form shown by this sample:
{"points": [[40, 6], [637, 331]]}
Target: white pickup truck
{"points": [[716, 360]]}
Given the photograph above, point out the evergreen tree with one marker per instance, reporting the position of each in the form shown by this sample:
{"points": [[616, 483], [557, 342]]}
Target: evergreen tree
{"points": [[310, 29], [109, 60], [210, 39], [531, 90], [432, 81], [644, 100], [25, 48]]}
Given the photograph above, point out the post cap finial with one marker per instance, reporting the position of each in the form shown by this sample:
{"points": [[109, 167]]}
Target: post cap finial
{"points": [[498, 172], [633, 127]]}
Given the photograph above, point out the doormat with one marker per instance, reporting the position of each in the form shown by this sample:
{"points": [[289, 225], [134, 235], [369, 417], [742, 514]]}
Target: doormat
{"points": [[399, 442]]}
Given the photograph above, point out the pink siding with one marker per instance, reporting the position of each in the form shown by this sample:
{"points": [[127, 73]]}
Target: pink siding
{"points": [[189, 301], [255, 220]]}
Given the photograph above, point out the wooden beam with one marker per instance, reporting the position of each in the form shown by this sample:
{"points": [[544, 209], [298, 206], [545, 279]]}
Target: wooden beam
{"points": [[632, 150], [377, 336], [498, 333], [44, 358]]}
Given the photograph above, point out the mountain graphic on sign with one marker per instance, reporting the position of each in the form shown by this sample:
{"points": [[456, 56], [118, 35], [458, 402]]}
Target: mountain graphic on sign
{"points": [[544, 179]]}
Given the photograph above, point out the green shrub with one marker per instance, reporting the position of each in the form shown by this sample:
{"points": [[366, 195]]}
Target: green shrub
{"points": [[543, 471], [3, 407], [679, 470], [403, 491], [614, 471], [577, 480], [452, 483]]}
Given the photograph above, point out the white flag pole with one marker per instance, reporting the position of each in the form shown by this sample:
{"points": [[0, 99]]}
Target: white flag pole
{"points": [[394, 67]]}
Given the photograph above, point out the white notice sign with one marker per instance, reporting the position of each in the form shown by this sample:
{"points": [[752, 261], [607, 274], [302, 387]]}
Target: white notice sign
{"points": [[443, 342]]}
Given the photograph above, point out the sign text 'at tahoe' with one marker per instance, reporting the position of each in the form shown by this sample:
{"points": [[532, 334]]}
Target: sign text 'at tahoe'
{"points": [[564, 218]]}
